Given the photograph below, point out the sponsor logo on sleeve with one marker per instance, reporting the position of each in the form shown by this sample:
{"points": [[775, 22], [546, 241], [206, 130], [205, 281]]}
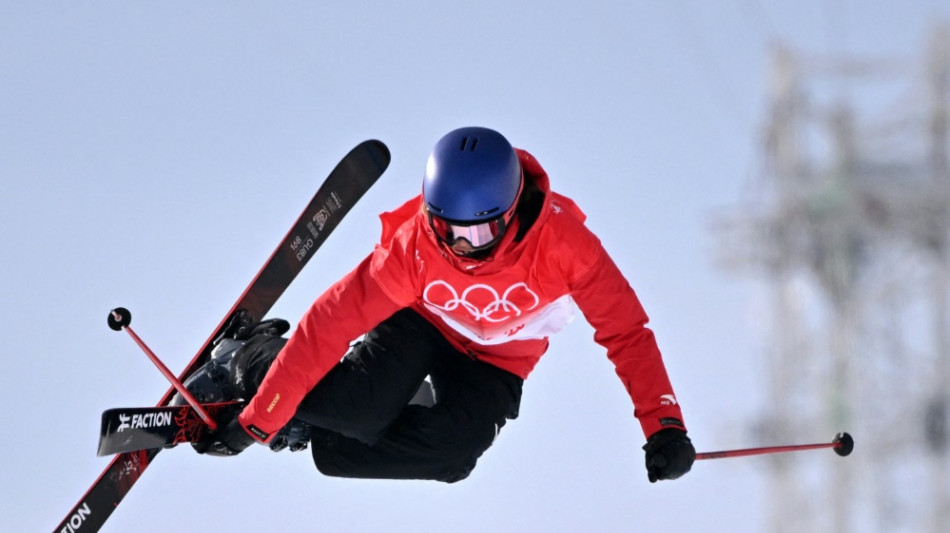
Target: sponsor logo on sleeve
{"points": [[667, 399]]}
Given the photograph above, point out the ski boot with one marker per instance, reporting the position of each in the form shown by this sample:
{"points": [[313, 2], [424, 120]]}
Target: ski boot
{"points": [[239, 361]]}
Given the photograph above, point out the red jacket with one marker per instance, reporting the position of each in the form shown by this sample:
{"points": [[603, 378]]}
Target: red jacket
{"points": [[499, 310]]}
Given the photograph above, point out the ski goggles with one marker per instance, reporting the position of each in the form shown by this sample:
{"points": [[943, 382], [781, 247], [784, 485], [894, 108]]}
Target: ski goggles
{"points": [[479, 235]]}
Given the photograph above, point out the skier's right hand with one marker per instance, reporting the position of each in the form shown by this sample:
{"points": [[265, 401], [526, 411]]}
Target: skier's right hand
{"points": [[669, 454], [229, 439]]}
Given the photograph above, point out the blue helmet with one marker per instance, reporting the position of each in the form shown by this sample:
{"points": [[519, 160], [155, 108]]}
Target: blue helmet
{"points": [[472, 176]]}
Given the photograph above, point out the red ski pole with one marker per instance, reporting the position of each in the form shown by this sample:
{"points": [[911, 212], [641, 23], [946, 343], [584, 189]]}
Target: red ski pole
{"points": [[119, 319], [842, 444]]}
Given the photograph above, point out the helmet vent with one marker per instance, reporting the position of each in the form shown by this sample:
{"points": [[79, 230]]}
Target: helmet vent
{"points": [[469, 144]]}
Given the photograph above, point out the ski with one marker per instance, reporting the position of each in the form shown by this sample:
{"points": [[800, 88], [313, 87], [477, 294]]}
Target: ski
{"points": [[346, 184], [130, 429]]}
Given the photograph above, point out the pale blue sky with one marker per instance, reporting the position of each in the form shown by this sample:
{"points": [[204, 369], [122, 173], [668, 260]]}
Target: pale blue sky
{"points": [[152, 154]]}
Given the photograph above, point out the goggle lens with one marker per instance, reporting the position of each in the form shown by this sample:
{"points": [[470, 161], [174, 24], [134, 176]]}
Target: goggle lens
{"points": [[478, 235]]}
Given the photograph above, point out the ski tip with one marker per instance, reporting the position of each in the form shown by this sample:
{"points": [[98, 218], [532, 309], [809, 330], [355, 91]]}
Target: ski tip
{"points": [[375, 145]]}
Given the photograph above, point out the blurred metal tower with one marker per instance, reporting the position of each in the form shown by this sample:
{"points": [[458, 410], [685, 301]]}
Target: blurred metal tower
{"points": [[851, 231]]}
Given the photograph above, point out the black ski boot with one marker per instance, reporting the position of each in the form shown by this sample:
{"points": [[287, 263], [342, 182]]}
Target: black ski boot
{"points": [[238, 363]]}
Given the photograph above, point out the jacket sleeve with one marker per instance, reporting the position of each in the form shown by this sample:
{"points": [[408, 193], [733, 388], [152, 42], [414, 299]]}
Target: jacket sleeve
{"points": [[610, 305], [347, 310]]}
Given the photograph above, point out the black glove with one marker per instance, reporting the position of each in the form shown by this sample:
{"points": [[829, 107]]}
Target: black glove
{"points": [[229, 439], [294, 436], [669, 454]]}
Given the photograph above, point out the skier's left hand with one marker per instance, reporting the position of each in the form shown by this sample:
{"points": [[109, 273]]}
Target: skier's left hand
{"points": [[669, 454], [229, 439]]}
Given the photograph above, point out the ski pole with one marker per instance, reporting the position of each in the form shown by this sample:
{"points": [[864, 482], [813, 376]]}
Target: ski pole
{"points": [[842, 445], [119, 319]]}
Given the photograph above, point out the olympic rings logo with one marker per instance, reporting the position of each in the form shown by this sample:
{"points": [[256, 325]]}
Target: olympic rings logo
{"points": [[482, 301]]}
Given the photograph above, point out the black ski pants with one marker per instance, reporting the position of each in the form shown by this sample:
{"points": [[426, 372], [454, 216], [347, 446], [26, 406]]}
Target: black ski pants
{"points": [[365, 426]]}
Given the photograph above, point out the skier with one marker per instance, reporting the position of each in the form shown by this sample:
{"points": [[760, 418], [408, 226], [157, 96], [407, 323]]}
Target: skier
{"points": [[456, 303]]}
